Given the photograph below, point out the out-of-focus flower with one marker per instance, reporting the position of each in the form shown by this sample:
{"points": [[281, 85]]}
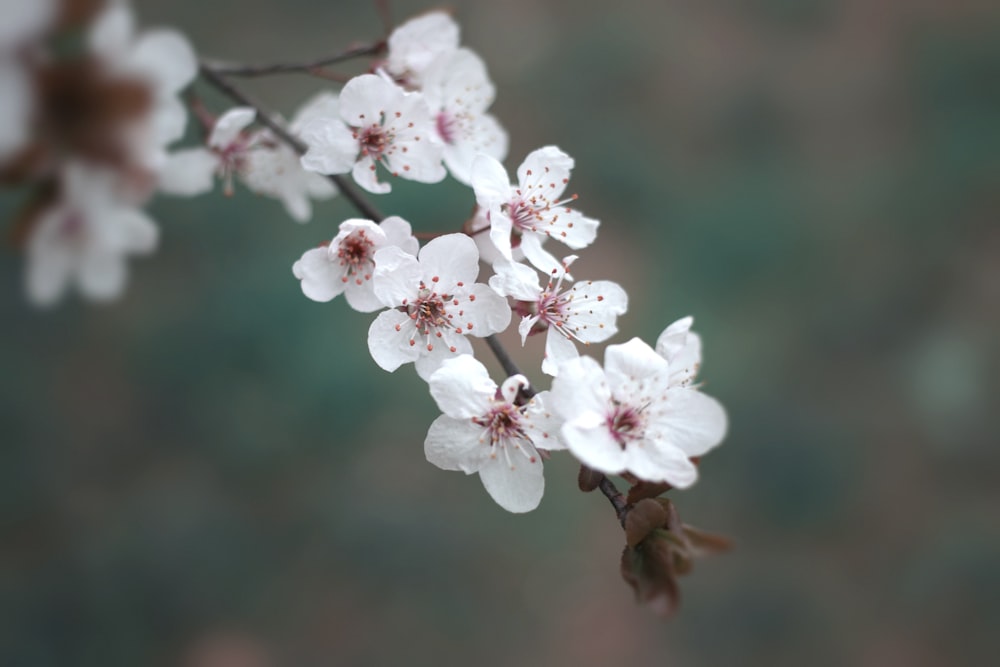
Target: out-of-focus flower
{"points": [[83, 239], [588, 311], [264, 163], [163, 60], [483, 430], [459, 91], [345, 266], [414, 45], [633, 415], [434, 305], [526, 214], [379, 123]]}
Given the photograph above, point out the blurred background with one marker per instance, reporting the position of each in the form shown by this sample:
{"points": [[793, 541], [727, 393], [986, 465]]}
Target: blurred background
{"points": [[212, 472]]}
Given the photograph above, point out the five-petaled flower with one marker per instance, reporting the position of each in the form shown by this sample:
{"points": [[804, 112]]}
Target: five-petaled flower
{"points": [[588, 311], [526, 214], [378, 123], [347, 263], [435, 304], [485, 430], [638, 413]]}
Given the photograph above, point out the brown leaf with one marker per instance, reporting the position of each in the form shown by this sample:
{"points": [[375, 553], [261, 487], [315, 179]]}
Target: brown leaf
{"points": [[643, 519], [588, 479], [703, 543], [643, 490], [648, 569]]}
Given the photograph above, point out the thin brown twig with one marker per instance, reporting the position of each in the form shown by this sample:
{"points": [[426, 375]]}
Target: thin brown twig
{"points": [[312, 67], [265, 119], [615, 497]]}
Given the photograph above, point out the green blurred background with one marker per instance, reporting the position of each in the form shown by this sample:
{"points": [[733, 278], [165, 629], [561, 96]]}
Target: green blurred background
{"points": [[213, 473]]}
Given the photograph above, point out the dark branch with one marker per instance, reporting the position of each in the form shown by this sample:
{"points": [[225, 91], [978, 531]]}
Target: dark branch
{"points": [[509, 367], [219, 82], [617, 500], [234, 69]]}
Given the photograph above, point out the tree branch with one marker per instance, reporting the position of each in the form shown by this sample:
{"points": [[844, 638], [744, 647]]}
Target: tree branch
{"points": [[264, 118], [615, 497], [237, 69]]}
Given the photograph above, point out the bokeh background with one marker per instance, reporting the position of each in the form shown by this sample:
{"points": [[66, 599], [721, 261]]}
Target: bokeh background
{"points": [[213, 473]]}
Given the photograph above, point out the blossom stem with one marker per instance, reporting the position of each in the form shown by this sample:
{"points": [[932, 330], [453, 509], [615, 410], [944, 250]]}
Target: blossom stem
{"points": [[312, 67], [222, 85], [615, 497]]}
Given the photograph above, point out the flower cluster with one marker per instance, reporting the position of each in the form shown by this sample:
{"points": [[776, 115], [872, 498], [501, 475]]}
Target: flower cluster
{"points": [[91, 131]]}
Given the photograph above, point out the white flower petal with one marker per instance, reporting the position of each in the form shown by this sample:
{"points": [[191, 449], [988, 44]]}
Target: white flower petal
{"points": [[399, 233], [632, 362], [389, 340], [365, 175], [229, 125], [462, 387], [396, 277], [490, 182], [690, 421], [365, 97], [188, 172], [321, 275], [515, 482], [653, 463], [453, 444], [451, 255], [588, 438], [580, 387], [167, 58], [430, 361], [333, 149], [515, 280], [485, 312], [545, 170], [558, 350]]}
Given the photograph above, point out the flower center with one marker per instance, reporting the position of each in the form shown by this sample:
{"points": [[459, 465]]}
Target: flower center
{"points": [[446, 126], [503, 422], [430, 314], [375, 141], [354, 254], [626, 424]]}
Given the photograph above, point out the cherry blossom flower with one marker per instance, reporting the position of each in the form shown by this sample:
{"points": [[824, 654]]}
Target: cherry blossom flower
{"points": [[191, 171], [265, 164], [681, 347], [526, 214], [85, 237], [162, 59], [636, 414], [459, 91], [483, 430], [587, 311], [379, 123], [435, 304], [347, 263], [414, 45]]}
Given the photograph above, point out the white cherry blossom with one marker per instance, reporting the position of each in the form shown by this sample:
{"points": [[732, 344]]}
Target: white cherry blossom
{"points": [[588, 311], [192, 171], [459, 91], [416, 44], [265, 164], [526, 214], [84, 238], [435, 304], [378, 123], [345, 266], [483, 430], [681, 347], [633, 415], [164, 59]]}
